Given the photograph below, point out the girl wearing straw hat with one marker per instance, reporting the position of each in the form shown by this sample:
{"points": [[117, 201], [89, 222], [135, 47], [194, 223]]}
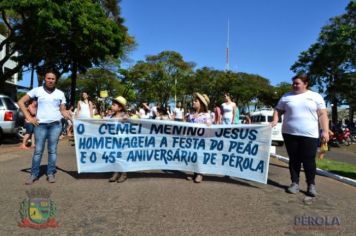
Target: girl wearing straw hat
{"points": [[200, 115], [119, 110]]}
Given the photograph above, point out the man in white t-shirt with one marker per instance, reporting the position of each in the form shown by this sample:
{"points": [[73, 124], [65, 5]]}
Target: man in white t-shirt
{"points": [[50, 110]]}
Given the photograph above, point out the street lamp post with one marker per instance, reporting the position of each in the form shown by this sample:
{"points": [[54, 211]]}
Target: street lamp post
{"points": [[175, 91]]}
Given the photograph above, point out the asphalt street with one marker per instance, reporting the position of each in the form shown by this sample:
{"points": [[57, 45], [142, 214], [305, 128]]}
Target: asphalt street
{"points": [[165, 203], [336, 154]]}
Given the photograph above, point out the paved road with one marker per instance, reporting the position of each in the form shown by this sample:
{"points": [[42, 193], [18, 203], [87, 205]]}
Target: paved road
{"points": [[160, 203], [336, 154]]}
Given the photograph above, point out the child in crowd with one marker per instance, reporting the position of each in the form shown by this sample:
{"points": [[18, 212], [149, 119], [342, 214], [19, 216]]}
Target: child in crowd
{"points": [[200, 115], [32, 109], [119, 111], [324, 148]]}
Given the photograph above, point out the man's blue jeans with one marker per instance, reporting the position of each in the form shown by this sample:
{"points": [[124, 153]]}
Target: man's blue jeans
{"points": [[43, 132]]}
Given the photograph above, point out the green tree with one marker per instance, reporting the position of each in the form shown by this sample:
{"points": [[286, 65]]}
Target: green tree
{"points": [[330, 62], [96, 80], [243, 87], [71, 35], [159, 77]]}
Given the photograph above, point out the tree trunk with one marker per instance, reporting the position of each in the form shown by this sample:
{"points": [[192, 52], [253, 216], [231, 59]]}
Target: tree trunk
{"points": [[73, 83], [40, 78], [334, 116], [32, 76], [2, 85]]}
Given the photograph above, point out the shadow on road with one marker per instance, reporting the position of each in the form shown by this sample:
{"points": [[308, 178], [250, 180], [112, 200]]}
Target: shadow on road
{"points": [[9, 140], [172, 174], [280, 166], [276, 184], [43, 170]]}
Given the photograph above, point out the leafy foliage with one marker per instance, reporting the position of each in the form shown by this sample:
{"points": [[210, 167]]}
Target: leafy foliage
{"points": [[160, 76], [330, 62], [70, 35]]}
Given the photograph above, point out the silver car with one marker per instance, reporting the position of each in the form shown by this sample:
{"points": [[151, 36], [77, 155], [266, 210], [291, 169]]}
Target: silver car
{"points": [[8, 116]]}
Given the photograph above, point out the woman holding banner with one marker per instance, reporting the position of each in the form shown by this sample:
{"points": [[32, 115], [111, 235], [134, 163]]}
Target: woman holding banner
{"points": [[119, 110], [200, 115], [303, 111]]}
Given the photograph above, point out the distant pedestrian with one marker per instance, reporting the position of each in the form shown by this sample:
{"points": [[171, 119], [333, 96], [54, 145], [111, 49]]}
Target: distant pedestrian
{"points": [[50, 109], [69, 122], [228, 109], [84, 107], [237, 115], [144, 111], [217, 114], [247, 119], [178, 112]]}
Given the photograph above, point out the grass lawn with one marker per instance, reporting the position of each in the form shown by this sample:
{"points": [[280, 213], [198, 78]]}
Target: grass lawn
{"points": [[340, 168]]}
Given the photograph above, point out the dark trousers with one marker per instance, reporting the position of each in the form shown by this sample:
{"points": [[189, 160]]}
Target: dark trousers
{"points": [[301, 150]]}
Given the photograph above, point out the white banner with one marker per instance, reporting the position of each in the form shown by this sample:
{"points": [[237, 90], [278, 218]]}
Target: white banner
{"points": [[109, 145]]}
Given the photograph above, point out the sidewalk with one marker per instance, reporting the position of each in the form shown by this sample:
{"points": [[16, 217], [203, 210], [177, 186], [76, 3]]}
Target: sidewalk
{"points": [[158, 203]]}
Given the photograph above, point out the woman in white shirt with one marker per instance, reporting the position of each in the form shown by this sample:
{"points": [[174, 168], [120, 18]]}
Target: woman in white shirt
{"points": [[229, 110], [178, 112], [84, 107], [47, 121], [303, 111]]}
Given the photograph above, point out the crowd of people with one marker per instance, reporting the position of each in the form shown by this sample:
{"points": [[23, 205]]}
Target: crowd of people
{"points": [[305, 123]]}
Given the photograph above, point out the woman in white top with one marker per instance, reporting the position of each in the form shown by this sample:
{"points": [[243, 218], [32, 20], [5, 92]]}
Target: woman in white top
{"points": [[84, 107], [228, 109], [144, 111], [47, 121], [304, 111], [178, 112]]}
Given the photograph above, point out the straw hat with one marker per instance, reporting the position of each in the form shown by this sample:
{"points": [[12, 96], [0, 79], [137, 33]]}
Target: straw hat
{"points": [[121, 100], [203, 98]]}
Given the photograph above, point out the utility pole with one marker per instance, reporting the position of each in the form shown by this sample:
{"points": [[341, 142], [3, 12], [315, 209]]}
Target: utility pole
{"points": [[227, 65]]}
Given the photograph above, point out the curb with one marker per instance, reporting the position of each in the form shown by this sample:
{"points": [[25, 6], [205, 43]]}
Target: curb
{"points": [[322, 172]]}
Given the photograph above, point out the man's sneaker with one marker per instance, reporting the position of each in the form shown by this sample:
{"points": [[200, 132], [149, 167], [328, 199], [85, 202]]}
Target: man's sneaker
{"points": [[31, 180], [293, 188], [51, 179], [311, 190]]}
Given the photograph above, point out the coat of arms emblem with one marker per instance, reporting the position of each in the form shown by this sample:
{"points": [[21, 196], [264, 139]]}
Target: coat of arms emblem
{"points": [[38, 210]]}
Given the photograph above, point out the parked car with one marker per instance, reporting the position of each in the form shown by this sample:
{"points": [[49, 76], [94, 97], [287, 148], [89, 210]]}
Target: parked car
{"points": [[265, 116], [9, 113]]}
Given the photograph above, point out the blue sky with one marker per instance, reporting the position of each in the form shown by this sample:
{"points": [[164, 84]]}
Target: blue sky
{"points": [[266, 36]]}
